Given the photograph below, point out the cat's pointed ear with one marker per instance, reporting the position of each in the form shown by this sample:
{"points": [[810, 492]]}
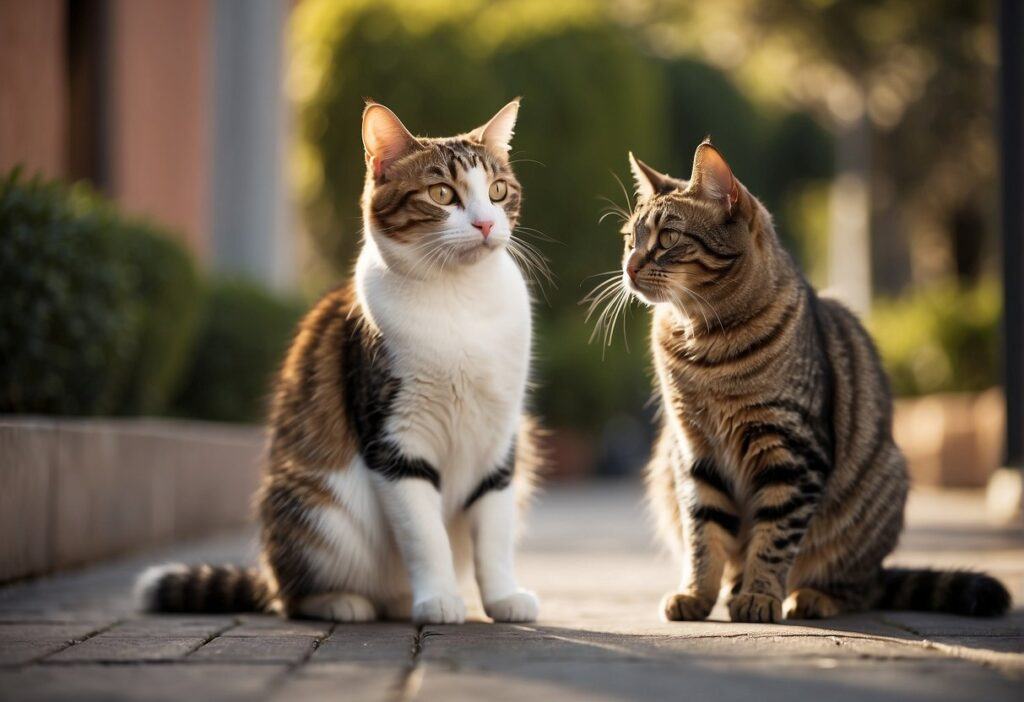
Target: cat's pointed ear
{"points": [[385, 138], [497, 133], [712, 176], [648, 181]]}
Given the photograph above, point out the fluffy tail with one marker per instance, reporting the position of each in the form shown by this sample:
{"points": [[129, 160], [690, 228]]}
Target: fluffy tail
{"points": [[176, 587], [951, 591]]}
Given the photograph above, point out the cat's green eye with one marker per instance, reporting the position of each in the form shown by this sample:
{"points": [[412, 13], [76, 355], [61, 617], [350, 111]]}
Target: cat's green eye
{"points": [[441, 194], [498, 190], [667, 239]]}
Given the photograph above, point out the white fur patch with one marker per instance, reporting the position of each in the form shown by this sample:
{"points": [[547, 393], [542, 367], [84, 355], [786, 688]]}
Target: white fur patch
{"points": [[146, 584], [459, 342]]}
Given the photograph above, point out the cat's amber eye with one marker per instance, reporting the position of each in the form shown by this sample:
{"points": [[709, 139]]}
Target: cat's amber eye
{"points": [[498, 191], [668, 238], [441, 194]]}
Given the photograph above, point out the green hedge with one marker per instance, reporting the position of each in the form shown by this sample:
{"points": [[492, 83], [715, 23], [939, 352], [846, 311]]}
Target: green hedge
{"points": [[942, 338], [591, 92], [68, 319], [167, 290], [244, 332], [98, 310]]}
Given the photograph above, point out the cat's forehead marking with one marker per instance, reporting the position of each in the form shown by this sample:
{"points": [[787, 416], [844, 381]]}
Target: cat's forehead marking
{"points": [[476, 180], [683, 210]]}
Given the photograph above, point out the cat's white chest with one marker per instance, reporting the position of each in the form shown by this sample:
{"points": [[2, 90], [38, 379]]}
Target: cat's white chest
{"points": [[461, 348]]}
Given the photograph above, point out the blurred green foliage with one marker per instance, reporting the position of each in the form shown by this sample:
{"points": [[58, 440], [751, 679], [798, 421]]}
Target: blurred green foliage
{"points": [[106, 314], [168, 296], [244, 332], [940, 338], [591, 92], [69, 321]]}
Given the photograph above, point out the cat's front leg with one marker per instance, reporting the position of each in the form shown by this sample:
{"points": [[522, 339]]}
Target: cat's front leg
{"points": [[492, 513], [710, 525], [414, 510], [785, 490]]}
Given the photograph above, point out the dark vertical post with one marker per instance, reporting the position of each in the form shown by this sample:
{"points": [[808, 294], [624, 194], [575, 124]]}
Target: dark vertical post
{"points": [[89, 95], [1011, 148]]}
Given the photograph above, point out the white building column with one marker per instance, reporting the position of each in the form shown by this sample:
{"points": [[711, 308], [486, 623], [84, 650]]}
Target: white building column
{"points": [[252, 228]]}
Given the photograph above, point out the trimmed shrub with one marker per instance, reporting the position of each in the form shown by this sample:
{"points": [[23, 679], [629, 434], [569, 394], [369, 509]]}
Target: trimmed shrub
{"points": [[168, 290], [590, 94], [66, 251], [944, 338], [244, 332], [588, 98], [69, 319]]}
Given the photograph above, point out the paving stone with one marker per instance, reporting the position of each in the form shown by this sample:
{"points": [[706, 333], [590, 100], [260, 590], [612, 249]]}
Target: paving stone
{"points": [[626, 620], [366, 682], [172, 625], [475, 643], [25, 642], [599, 637], [383, 641], [26, 631], [154, 683], [104, 648], [851, 681], [272, 625], [22, 652], [1000, 644], [927, 624], [1004, 653], [252, 649]]}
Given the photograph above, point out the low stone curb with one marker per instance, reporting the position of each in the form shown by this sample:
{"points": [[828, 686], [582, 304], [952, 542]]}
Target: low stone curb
{"points": [[77, 491]]}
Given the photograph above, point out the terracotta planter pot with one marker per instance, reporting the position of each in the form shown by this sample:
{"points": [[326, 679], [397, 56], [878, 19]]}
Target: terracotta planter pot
{"points": [[951, 440]]}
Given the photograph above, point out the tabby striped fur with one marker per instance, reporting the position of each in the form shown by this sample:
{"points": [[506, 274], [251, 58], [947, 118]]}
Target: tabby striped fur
{"points": [[399, 452], [775, 471]]}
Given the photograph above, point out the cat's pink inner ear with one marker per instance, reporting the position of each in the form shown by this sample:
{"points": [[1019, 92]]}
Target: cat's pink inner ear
{"points": [[714, 178], [385, 138], [497, 133]]}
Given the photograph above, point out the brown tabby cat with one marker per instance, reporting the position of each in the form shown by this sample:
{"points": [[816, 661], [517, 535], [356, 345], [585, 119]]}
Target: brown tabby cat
{"points": [[776, 467]]}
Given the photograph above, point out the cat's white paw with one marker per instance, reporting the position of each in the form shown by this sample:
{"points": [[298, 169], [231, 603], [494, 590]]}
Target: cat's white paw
{"points": [[441, 609], [521, 606], [338, 607]]}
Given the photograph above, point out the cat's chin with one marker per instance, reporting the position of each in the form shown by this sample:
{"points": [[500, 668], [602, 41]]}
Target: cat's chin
{"points": [[475, 253], [647, 297]]}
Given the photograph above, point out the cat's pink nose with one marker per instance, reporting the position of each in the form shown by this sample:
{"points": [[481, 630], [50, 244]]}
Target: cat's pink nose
{"points": [[484, 226], [631, 271]]}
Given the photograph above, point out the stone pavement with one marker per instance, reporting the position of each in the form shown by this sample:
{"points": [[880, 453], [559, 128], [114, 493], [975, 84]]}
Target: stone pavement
{"points": [[589, 555]]}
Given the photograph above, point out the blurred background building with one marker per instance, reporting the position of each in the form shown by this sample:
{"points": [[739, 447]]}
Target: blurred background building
{"points": [[174, 109], [870, 128]]}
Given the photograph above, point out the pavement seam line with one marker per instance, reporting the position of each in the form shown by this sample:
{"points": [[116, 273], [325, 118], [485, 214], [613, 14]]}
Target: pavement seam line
{"points": [[962, 653], [140, 661], [408, 685], [279, 680], [72, 642], [210, 638]]}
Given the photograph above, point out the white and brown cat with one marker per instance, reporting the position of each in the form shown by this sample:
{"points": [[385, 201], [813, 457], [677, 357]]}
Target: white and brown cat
{"points": [[399, 449]]}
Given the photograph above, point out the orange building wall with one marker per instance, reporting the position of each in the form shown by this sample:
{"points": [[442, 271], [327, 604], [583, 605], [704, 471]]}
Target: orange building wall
{"points": [[161, 123], [32, 86]]}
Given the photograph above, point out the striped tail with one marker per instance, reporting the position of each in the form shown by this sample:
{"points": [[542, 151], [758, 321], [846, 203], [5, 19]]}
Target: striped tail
{"points": [[950, 591], [179, 588]]}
